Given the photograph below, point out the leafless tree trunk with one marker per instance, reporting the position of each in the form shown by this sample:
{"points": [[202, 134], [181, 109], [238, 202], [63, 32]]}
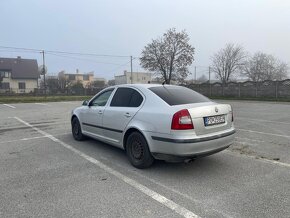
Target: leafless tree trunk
{"points": [[169, 56], [262, 66], [228, 61]]}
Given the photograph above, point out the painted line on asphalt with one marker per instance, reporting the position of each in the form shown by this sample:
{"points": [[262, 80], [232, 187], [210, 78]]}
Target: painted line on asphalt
{"points": [[8, 105], [247, 139], [264, 133], [188, 197], [43, 104], [258, 158], [152, 194], [246, 143], [32, 138], [36, 125], [259, 120]]}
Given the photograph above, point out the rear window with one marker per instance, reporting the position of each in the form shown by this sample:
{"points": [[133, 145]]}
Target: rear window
{"points": [[176, 95]]}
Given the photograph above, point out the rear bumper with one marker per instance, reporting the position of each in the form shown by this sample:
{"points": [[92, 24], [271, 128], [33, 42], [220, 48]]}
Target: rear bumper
{"points": [[165, 148], [175, 158]]}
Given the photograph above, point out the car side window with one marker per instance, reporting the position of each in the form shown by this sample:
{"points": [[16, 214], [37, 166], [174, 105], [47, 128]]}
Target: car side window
{"points": [[101, 100], [126, 97]]}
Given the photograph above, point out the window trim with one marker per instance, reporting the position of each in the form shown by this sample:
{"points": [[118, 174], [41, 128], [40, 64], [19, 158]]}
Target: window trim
{"points": [[22, 83], [100, 93], [7, 72], [2, 83], [137, 90]]}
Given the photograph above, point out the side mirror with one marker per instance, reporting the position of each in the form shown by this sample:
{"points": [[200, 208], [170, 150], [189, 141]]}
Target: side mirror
{"points": [[85, 103]]}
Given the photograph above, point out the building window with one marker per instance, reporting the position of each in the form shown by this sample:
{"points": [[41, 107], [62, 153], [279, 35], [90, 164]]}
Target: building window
{"points": [[86, 77], [4, 85], [4, 74], [71, 77], [21, 85]]}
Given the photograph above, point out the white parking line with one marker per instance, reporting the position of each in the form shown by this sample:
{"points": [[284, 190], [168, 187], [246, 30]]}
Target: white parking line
{"points": [[32, 138], [259, 120], [41, 104], [258, 158], [8, 105], [265, 133], [165, 187], [247, 139], [152, 194]]}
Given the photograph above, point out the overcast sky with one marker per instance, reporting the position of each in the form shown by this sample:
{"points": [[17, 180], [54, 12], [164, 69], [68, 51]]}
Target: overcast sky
{"points": [[124, 27]]}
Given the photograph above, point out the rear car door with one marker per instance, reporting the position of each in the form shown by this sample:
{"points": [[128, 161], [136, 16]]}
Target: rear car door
{"points": [[93, 114], [124, 105]]}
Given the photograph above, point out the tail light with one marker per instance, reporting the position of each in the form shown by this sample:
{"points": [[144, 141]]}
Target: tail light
{"points": [[181, 120], [232, 115]]}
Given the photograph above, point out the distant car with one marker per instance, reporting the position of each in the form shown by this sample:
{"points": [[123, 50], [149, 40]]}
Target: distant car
{"points": [[152, 121]]}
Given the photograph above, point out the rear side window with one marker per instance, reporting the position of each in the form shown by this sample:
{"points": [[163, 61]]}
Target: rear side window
{"points": [[126, 97], [176, 95]]}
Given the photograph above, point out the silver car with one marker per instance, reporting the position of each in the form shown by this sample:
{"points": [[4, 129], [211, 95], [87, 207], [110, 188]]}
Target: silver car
{"points": [[152, 121]]}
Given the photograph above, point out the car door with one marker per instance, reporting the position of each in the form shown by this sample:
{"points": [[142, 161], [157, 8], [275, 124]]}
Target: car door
{"points": [[93, 114], [124, 105]]}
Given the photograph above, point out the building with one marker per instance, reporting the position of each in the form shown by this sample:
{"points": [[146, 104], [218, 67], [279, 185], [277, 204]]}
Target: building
{"points": [[133, 77], [85, 78], [18, 75]]}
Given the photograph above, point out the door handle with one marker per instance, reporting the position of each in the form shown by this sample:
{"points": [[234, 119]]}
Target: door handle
{"points": [[127, 115], [100, 112]]}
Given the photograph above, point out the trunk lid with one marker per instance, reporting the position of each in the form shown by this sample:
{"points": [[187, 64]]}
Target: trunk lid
{"points": [[201, 111]]}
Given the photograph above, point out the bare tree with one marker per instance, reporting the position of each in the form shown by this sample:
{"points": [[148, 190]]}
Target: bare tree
{"points": [[228, 62], [169, 56], [262, 66]]}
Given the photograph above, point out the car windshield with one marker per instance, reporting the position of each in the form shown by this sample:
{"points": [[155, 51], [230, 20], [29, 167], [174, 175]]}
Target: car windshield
{"points": [[177, 95]]}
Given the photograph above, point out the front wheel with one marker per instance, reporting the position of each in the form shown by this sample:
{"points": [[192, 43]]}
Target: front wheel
{"points": [[76, 129], [138, 152]]}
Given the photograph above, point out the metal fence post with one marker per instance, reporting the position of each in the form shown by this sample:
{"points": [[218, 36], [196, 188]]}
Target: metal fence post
{"points": [[276, 89]]}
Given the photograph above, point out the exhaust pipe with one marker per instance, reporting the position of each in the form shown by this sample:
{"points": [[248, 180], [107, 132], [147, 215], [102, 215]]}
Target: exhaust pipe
{"points": [[187, 161]]}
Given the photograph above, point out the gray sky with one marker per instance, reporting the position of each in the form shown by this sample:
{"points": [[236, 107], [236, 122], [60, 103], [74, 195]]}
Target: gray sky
{"points": [[125, 27]]}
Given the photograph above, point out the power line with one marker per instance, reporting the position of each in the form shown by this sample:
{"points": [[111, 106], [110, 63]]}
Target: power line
{"points": [[65, 52], [111, 71], [83, 59]]}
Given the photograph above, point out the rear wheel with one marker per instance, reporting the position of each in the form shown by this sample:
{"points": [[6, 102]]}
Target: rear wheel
{"points": [[76, 129], [138, 152]]}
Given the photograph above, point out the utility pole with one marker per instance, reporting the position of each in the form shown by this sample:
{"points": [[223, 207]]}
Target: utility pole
{"points": [[131, 59], [209, 81], [43, 71], [194, 74]]}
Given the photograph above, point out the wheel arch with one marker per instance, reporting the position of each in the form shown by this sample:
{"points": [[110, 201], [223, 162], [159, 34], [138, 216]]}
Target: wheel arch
{"points": [[73, 116], [128, 132]]}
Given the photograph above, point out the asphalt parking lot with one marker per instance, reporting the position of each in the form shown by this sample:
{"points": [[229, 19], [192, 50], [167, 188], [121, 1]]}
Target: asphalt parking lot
{"points": [[44, 172]]}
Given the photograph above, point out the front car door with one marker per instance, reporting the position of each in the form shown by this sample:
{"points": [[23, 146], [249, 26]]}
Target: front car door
{"points": [[124, 105], [93, 114]]}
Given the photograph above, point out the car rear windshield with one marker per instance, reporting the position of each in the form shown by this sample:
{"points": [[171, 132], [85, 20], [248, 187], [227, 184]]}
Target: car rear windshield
{"points": [[177, 95]]}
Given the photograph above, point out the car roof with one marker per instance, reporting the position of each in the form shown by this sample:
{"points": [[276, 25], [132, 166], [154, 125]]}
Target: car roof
{"points": [[146, 86]]}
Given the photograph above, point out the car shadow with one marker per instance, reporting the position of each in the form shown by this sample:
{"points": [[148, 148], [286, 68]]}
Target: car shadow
{"points": [[117, 157]]}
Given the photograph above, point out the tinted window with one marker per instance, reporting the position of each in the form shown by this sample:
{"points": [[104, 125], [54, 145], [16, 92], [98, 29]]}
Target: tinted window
{"points": [[176, 95], [101, 99], [126, 97], [136, 99]]}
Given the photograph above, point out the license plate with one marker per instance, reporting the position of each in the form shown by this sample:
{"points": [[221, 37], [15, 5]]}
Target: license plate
{"points": [[214, 120]]}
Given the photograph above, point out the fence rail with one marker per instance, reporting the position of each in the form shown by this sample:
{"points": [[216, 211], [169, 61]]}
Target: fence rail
{"points": [[264, 89]]}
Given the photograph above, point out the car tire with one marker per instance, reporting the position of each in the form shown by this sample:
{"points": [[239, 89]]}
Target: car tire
{"points": [[138, 151], [77, 130]]}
